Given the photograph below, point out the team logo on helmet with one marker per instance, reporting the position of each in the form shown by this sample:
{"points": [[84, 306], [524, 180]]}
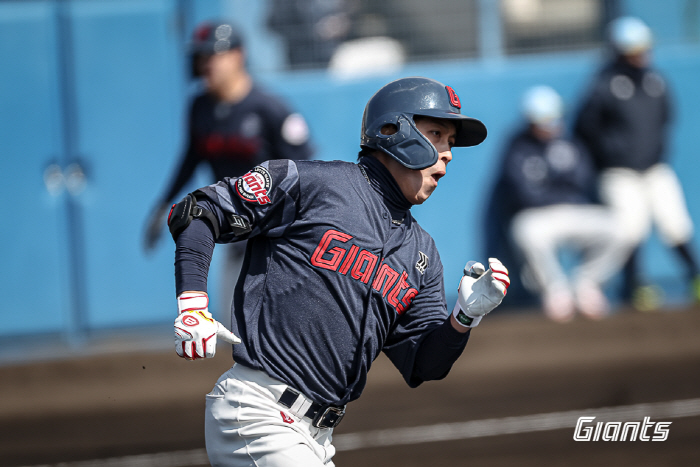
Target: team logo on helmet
{"points": [[203, 32], [454, 98], [255, 186]]}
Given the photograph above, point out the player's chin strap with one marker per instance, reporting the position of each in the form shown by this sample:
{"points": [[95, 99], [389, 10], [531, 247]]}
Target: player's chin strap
{"points": [[480, 291]]}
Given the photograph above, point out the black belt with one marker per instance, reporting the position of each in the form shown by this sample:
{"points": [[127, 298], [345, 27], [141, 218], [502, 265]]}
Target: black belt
{"points": [[322, 416]]}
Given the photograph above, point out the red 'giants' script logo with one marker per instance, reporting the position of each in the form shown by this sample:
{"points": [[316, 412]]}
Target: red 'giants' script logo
{"points": [[336, 253]]}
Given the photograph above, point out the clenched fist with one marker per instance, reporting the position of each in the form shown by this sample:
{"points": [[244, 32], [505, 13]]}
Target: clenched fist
{"points": [[480, 291], [195, 329]]}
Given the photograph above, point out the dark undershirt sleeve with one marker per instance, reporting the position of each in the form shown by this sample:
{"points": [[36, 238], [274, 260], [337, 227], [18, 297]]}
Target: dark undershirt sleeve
{"points": [[438, 352], [193, 252]]}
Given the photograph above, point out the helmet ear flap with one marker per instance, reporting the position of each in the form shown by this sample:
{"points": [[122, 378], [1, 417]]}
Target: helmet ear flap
{"points": [[406, 145], [374, 134]]}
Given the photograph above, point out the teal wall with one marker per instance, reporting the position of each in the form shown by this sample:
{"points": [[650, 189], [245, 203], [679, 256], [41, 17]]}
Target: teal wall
{"points": [[491, 92], [129, 90]]}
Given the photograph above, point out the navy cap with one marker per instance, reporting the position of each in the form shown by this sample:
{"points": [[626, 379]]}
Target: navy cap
{"points": [[215, 37]]}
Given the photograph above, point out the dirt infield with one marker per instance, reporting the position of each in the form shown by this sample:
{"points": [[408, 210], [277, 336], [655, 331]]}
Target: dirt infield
{"points": [[131, 403]]}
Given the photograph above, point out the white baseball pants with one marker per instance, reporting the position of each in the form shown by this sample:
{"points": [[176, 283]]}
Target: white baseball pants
{"points": [[642, 199], [246, 426], [541, 233]]}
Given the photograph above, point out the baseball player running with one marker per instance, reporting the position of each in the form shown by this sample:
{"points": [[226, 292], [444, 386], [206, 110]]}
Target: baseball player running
{"points": [[336, 271]]}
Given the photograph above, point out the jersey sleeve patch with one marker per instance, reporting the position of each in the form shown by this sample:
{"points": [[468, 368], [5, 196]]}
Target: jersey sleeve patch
{"points": [[255, 186]]}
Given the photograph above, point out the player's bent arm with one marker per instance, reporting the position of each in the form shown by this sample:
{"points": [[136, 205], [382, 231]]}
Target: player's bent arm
{"points": [[480, 291], [196, 331], [438, 351], [194, 248], [186, 169]]}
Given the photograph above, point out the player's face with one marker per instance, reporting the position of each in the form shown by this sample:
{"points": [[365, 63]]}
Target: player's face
{"points": [[547, 131], [219, 69], [418, 185], [639, 60]]}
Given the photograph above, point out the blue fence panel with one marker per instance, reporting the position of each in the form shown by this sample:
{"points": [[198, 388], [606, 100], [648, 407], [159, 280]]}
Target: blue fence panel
{"points": [[491, 92], [131, 90], [129, 69], [33, 254]]}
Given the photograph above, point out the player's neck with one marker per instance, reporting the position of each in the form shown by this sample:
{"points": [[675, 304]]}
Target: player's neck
{"points": [[236, 89]]}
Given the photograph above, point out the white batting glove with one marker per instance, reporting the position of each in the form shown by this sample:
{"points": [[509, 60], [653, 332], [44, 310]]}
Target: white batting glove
{"points": [[480, 291], [195, 329]]}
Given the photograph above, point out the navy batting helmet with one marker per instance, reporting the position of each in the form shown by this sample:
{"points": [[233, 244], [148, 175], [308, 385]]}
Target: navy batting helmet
{"points": [[213, 37], [397, 103]]}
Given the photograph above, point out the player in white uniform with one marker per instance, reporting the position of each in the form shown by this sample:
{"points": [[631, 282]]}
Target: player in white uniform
{"points": [[546, 187], [625, 120]]}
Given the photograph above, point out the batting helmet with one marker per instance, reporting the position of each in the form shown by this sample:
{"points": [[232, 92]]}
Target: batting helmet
{"points": [[542, 105], [629, 35], [213, 37], [397, 103]]}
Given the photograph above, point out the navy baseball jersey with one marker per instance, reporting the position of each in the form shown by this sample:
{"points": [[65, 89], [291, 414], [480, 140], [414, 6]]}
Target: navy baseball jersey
{"points": [[232, 138], [625, 117], [336, 271], [538, 173]]}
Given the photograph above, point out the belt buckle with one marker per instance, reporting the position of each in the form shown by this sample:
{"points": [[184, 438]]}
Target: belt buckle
{"points": [[330, 417]]}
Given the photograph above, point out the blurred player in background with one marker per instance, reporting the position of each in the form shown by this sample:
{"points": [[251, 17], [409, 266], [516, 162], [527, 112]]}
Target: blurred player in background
{"points": [[233, 125], [544, 194], [336, 271], [624, 120]]}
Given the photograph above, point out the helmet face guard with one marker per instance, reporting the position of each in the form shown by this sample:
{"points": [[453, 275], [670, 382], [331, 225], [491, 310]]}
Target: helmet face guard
{"points": [[398, 103]]}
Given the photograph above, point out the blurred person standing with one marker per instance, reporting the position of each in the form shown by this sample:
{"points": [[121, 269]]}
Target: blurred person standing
{"points": [[233, 125], [545, 198], [624, 120]]}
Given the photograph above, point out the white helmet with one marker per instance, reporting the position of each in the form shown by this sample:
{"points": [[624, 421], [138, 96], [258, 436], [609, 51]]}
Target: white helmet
{"points": [[629, 35], [542, 105]]}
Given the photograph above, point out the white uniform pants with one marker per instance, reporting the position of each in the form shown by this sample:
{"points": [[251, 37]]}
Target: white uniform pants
{"points": [[541, 233], [642, 199], [245, 426]]}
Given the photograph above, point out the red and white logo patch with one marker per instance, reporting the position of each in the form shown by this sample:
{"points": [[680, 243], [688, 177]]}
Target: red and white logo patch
{"points": [[286, 418], [190, 320], [255, 186], [454, 98]]}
